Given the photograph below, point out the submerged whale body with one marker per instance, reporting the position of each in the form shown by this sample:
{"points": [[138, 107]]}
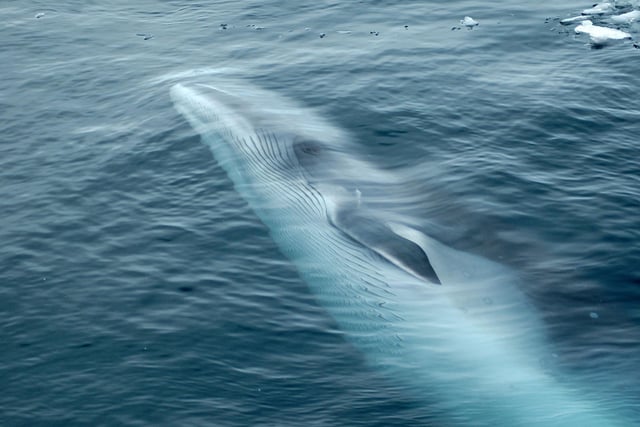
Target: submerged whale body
{"points": [[451, 327]]}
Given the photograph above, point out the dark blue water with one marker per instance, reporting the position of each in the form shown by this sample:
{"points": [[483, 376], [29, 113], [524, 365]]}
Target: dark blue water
{"points": [[138, 288]]}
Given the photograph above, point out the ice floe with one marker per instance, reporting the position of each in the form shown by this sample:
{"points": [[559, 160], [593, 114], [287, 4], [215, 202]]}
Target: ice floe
{"points": [[626, 18], [607, 21], [599, 9], [601, 36], [574, 19], [469, 22]]}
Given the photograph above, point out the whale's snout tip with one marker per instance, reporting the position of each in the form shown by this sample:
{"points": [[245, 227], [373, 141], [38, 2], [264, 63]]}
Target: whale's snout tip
{"points": [[178, 91]]}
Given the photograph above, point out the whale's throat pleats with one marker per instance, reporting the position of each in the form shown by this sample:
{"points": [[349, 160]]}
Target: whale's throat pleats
{"points": [[356, 223], [376, 235]]}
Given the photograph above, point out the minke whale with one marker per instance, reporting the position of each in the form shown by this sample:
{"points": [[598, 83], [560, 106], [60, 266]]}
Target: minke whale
{"points": [[451, 328]]}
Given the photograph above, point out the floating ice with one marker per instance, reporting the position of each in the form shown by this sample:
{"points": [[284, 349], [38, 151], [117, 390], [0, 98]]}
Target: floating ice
{"points": [[601, 35], [599, 9], [627, 3], [593, 315], [574, 19], [469, 22], [627, 18]]}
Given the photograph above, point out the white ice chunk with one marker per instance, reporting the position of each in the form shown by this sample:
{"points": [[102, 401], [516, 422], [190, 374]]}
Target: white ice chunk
{"points": [[601, 35], [627, 18], [574, 19], [599, 9], [469, 22], [627, 3]]}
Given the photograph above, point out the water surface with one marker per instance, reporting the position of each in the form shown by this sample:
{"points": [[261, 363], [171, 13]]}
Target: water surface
{"points": [[138, 288]]}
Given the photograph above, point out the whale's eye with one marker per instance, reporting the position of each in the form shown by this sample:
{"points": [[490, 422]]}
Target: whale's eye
{"points": [[309, 153], [307, 148], [310, 149], [313, 156]]}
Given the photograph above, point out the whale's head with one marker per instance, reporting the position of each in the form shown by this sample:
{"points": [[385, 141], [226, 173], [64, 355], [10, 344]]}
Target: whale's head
{"points": [[258, 134]]}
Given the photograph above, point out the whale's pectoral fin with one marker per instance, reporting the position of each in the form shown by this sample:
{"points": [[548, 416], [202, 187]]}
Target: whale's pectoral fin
{"points": [[378, 236]]}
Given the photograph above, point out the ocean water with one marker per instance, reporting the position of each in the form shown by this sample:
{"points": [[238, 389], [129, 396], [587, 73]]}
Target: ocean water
{"points": [[137, 288]]}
